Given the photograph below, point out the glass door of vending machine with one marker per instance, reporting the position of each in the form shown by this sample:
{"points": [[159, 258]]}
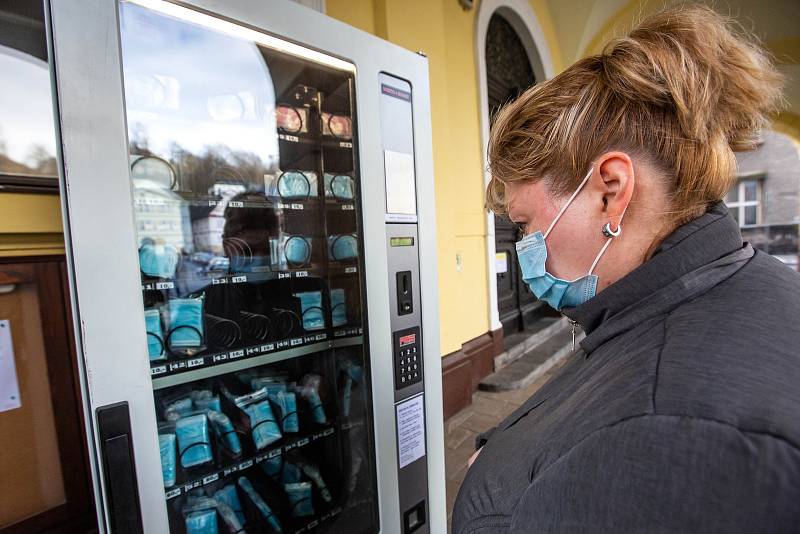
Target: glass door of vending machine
{"points": [[245, 191]]}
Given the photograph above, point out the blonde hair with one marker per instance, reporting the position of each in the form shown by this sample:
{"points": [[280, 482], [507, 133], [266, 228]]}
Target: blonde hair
{"points": [[683, 90]]}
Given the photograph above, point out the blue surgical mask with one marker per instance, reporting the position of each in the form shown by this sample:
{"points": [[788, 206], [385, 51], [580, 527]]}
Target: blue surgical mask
{"points": [[339, 186], [158, 260], [297, 185], [166, 443], [311, 304], [194, 445], [343, 247], [299, 495], [155, 338], [297, 251], [185, 323], [532, 256], [338, 307]]}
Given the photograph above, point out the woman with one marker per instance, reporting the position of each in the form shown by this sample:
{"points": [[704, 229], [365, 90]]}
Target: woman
{"points": [[681, 411]]}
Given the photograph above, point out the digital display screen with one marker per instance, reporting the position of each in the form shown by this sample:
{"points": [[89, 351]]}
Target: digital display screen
{"points": [[401, 241]]}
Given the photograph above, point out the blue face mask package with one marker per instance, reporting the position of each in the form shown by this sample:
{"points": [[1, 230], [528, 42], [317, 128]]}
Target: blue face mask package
{"points": [[230, 497], [309, 390], [315, 404], [342, 247], [339, 186], [272, 384], [194, 445], [202, 522], [353, 373], [273, 466], [155, 338], [300, 498], [226, 434], [204, 400], [263, 509], [313, 473], [178, 408], [338, 307], [158, 260], [185, 323], [264, 427], [166, 443], [297, 250], [292, 185], [287, 406], [311, 305], [291, 473]]}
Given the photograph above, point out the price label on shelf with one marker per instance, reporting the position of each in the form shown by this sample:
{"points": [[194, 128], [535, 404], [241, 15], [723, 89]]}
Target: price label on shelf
{"points": [[301, 274], [210, 478], [239, 279], [195, 362], [165, 285], [297, 206], [173, 493], [348, 207], [236, 353], [350, 270], [159, 370], [236, 204]]}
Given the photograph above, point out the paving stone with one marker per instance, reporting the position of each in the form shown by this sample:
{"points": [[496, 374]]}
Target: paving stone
{"points": [[458, 419], [481, 422], [458, 436], [488, 406]]}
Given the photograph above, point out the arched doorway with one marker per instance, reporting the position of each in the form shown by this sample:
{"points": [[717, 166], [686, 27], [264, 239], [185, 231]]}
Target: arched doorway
{"points": [[508, 73]]}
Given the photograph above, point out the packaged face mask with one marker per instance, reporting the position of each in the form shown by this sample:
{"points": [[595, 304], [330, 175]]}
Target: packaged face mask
{"points": [[315, 404], [155, 338], [194, 445], [226, 434], [291, 119], [185, 323], [313, 473], [263, 426], [338, 307], [339, 186], [353, 373], [230, 497], [166, 443], [291, 474], [273, 466], [297, 251], [204, 400], [263, 509], [300, 498], [158, 260], [339, 126], [311, 305], [287, 405], [202, 522], [309, 390], [296, 185], [178, 408], [271, 384], [342, 247]]}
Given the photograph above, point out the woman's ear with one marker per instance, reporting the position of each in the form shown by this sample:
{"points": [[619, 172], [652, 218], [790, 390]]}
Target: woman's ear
{"points": [[616, 171]]}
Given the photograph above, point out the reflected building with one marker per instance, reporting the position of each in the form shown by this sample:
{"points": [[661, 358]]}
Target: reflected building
{"points": [[766, 197]]}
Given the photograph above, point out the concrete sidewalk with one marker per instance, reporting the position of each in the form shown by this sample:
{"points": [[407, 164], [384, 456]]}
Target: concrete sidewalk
{"points": [[487, 409]]}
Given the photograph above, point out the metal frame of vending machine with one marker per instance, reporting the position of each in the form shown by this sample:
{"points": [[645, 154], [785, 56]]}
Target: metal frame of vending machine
{"points": [[220, 296]]}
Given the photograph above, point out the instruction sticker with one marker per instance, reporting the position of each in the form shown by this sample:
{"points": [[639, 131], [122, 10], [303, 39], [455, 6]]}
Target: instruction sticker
{"points": [[411, 430], [9, 388]]}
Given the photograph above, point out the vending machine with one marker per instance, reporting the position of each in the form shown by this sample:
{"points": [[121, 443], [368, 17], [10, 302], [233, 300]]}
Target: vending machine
{"points": [[249, 218]]}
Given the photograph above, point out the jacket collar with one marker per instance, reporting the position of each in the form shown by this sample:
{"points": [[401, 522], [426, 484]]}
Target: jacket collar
{"points": [[696, 243]]}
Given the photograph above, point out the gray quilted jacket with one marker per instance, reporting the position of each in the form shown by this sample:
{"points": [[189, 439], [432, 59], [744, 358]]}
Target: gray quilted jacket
{"points": [[680, 412]]}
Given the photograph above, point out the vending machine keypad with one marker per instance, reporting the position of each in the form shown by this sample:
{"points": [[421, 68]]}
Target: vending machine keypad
{"points": [[407, 357]]}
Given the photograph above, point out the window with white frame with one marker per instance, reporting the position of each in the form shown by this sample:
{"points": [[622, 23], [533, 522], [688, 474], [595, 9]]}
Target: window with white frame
{"points": [[744, 201]]}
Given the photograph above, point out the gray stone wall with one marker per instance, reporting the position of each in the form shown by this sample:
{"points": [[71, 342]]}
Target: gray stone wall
{"points": [[779, 162]]}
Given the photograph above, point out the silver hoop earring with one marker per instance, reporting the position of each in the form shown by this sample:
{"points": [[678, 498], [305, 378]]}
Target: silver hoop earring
{"points": [[608, 232]]}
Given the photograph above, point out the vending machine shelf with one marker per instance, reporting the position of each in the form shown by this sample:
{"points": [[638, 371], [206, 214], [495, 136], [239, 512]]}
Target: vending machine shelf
{"points": [[177, 372]]}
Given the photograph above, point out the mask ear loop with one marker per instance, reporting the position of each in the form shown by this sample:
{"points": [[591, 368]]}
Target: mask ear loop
{"points": [[566, 205]]}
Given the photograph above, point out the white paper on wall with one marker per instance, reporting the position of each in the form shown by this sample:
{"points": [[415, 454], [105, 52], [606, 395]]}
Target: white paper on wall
{"points": [[9, 388]]}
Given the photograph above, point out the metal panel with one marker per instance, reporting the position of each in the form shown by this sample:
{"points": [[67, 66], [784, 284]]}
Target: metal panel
{"points": [[104, 277]]}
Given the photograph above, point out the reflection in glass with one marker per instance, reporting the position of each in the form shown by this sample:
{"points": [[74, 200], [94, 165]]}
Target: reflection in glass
{"points": [[27, 132]]}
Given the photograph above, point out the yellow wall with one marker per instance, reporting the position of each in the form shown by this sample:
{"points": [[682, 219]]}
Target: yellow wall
{"points": [[446, 33], [30, 225]]}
